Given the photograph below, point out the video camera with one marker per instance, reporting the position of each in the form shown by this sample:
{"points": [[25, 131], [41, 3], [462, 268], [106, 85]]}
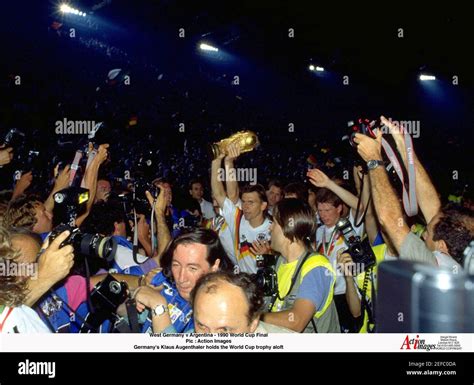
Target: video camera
{"points": [[359, 249]]}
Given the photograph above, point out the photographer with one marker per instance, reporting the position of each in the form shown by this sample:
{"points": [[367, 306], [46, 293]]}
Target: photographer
{"points": [[16, 292], [306, 279], [449, 230]]}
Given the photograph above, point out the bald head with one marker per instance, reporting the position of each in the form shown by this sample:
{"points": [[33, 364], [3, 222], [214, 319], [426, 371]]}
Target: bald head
{"points": [[226, 303]]}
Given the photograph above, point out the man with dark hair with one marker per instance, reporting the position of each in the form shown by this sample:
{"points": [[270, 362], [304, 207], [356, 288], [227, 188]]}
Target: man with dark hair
{"points": [[196, 190], [250, 225], [449, 230], [296, 190], [188, 257], [108, 219], [305, 279], [224, 302], [274, 194]]}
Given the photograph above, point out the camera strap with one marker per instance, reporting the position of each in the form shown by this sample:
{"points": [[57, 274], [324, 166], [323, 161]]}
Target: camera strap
{"points": [[293, 279], [409, 198], [75, 166], [365, 305], [135, 238], [356, 216], [90, 157]]}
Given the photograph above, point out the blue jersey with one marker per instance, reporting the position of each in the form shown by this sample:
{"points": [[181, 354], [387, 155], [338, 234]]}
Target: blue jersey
{"points": [[123, 262], [180, 310]]}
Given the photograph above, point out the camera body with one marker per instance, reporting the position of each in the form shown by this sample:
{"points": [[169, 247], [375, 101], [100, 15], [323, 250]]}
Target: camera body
{"points": [[359, 249], [106, 297], [68, 203], [266, 275]]}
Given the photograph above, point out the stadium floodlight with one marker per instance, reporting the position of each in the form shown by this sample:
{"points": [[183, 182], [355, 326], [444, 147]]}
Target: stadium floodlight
{"points": [[207, 47], [319, 69], [311, 67], [66, 8], [424, 77]]}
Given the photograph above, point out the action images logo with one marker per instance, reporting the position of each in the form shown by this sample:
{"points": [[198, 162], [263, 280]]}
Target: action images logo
{"points": [[416, 344]]}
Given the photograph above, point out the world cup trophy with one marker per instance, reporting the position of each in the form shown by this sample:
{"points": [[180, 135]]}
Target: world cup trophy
{"points": [[247, 141]]}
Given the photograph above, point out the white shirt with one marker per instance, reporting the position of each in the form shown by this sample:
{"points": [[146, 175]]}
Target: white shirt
{"points": [[22, 319], [207, 209], [247, 235], [332, 249]]}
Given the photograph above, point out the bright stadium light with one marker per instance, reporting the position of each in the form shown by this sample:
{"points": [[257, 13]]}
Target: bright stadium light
{"points": [[319, 69], [427, 77], [207, 47], [66, 8], [311, 67]]}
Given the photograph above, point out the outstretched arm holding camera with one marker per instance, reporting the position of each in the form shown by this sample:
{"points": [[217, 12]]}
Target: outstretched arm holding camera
{"points": [[162, 232], [426, 194], [387, 206], [61, 182], [54, 264], [90, 179]]}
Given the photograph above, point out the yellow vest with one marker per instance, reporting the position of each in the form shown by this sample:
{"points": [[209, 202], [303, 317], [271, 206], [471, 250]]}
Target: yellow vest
{"points": [[285, 274], [379, 252]]}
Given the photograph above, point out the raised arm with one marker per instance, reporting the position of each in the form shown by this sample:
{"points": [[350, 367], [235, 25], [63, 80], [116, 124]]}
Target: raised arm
{"points": [[320, 179], [218, 191], [387, 206], [231, 184], [90, 179], [426, 194]]}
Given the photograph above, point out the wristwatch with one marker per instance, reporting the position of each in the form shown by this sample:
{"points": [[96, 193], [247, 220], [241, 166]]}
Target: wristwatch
{"points": [[160, 310], [373, 164]]}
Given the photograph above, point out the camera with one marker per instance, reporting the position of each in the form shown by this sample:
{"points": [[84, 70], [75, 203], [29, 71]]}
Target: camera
{"points": [[359, 250], [68, 203], [87, 245], [14, 138], [136, 199], [106, 297], [266, 275]]}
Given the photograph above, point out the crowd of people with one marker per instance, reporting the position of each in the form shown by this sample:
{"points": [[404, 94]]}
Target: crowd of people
{"points": [[150, 221], [179, 257]]}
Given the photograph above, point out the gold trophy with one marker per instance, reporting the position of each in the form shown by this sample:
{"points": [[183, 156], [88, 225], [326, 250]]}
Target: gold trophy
{"points": [[247, 141]]}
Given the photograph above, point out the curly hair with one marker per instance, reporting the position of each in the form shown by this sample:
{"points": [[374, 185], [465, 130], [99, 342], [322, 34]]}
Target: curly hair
{"points": [[456, 229], [12, 289], [210, 284], [21, 212]]}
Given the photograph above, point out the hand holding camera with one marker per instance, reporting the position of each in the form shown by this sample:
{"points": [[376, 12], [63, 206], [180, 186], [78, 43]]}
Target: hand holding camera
{"points": [[56, 261]]}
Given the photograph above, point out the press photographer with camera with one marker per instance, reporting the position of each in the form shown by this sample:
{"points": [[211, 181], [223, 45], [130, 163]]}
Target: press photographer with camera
{"points": [[303, 300], [449, 229], [15, 315]]}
